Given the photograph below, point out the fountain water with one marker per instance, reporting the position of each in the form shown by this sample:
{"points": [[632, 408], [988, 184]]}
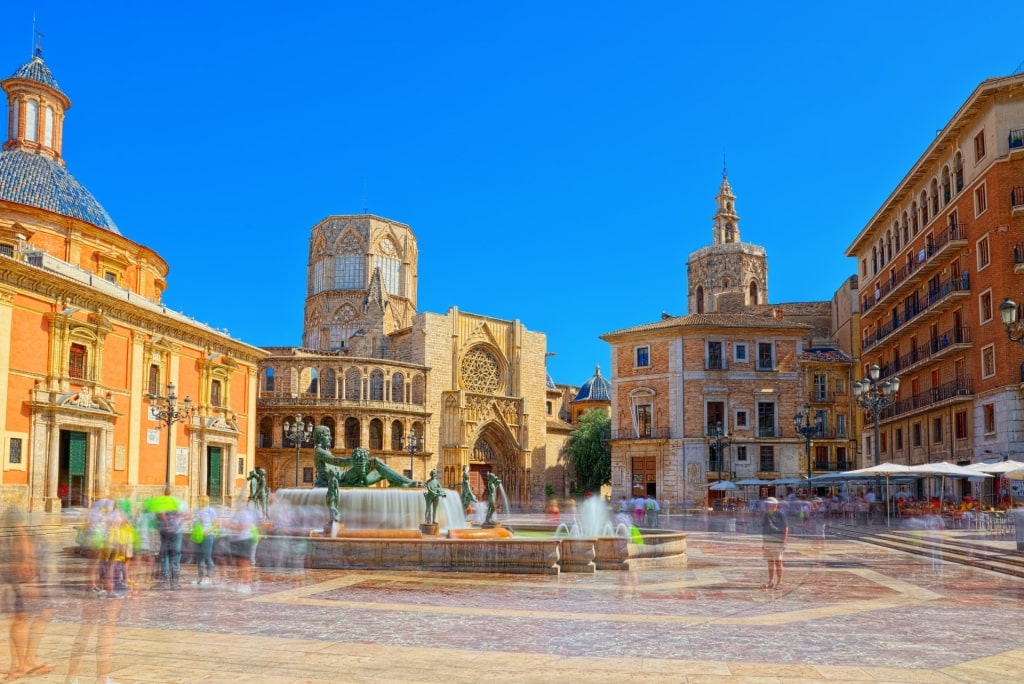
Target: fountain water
{"points": [[371, 508]]}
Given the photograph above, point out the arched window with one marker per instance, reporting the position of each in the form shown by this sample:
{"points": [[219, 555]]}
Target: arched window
{"points": [[924, 208], [376, 386], [754, 295], [266, 438], [913, 219], [418, 390], [154, 380], [48, 131], [343, 326], [32, 120], [398, 388], [351, 433], [389, 264], [329, 386], [730, 232], [268, 380], [874, 260], [376, 434], [905, 229], [958, 171], [353, 382], [397, 435], [349, 265], [947, 189], [699, 296], [935, 197]]}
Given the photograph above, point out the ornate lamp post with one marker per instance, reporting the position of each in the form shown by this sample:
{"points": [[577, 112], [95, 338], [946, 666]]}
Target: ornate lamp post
{"points": [[876, 396], [718, 438], [802, 423], [169, 413], [1010, 313], [412, 444], [297, 433]]}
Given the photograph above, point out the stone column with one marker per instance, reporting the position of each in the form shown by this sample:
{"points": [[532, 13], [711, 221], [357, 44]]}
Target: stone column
{"points": [[52, 502]]}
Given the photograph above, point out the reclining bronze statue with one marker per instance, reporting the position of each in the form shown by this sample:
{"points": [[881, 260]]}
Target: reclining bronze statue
{"points": [[363, 470]]}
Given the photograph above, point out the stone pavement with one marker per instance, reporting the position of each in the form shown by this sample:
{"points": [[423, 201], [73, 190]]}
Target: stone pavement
{"points": [[848, 612]]}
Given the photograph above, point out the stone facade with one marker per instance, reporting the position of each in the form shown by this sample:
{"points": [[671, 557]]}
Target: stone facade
{"points": [[474, 390]]}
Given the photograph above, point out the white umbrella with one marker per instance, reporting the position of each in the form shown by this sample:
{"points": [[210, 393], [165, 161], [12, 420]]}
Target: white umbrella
{"points": [[756, 481], [723, 486], [887, 470], [997, 468], [944, 470]]}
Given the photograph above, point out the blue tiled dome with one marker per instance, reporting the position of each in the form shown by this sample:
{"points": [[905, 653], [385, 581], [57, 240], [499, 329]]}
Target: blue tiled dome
{"points": [[36, 70], [38, 181], [595, 389]]}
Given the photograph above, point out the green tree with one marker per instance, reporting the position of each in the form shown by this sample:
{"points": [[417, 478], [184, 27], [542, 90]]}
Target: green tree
{"points": [[588, 450]]}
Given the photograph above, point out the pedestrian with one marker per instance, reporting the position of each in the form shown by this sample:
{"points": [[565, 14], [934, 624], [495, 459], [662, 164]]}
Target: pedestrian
{"points": [[170, 514], [204, 519], [244, 538], [653, 511], [639, 505], [32, 610], [774, 536]]}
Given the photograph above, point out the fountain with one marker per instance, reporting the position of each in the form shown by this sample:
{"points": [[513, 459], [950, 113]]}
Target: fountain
{"points": [[355, 521]]}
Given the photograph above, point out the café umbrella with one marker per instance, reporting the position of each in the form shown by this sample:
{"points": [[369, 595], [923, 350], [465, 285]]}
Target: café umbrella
{"points": [[945, 469], [883, 469]]}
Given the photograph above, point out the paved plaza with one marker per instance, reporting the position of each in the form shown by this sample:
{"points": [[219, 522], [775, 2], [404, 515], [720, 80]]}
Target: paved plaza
{"points": [[847, 612]]}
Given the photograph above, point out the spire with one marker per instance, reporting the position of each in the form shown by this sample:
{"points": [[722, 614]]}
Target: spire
{"points": [[726, 226], [377, 293]]}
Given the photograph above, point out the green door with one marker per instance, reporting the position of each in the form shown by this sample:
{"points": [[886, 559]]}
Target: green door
{"points": [[73, 466], [213, 474]]}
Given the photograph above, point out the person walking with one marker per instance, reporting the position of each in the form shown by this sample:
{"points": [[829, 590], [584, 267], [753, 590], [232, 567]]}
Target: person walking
{"points": [[204, 518], [774, 536]]}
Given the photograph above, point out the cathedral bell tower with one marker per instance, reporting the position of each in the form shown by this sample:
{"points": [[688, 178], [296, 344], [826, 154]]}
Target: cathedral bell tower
{"points": [[727, 276]]}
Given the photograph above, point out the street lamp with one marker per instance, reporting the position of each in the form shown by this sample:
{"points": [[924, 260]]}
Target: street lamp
{"points": [[802, 423], [412, 443], [169, 414], [297, 433], [1010, 313], [876, 396], [719, 439]]}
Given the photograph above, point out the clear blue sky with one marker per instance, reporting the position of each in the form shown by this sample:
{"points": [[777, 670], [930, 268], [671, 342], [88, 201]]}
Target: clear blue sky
{"points": [[558, 161]]}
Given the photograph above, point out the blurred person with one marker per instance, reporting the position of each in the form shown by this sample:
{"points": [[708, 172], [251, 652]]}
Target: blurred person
{"points": [[653, 513], [244, 539], [170, 514], [119, 548], [639, 505], [21, 564], [774, 536], [205, 518], [98, 614]]}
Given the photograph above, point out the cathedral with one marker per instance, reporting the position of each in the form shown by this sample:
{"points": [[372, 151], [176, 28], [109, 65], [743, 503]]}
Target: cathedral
{"points": [[420, 390]]}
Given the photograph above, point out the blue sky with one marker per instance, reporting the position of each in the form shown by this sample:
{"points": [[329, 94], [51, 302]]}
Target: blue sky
{"points": [[558, 161]]}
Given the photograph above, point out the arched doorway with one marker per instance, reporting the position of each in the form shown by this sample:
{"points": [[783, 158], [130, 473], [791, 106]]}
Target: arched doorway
{"points": [[495, 451]]}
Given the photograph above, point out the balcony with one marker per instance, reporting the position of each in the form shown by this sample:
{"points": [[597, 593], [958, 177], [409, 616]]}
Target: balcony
{"points": [[955, 391], [948, 342], [929, 258], [1015, 139], [768, 431], [715, 364], [1017, 200], [938, 300]]}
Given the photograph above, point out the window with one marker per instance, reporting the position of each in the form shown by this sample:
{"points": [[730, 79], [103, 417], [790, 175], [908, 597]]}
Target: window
{"points": [[821, 458], [961, 425], [820, 386], [985, 306], [14, 456], [6, 250], [76, 361], [937, 430], [988, 361], [548, 407], [883, 438], [741, 419], [979, 147], [840, 386], [741, 453], [643, 420], [765, 419], [980, 200], [389, 264], [643, 357], [154, 380], [765, 356], [988, 413], [739, 351], [984, 258], [841, 459], [241, 465], [307, 474], [715, 412], [898, 438], [269, 386], [715, 361], [110, 277], [767, 460], [350, 265], [840, 426], [215, 394], [915, 434]]}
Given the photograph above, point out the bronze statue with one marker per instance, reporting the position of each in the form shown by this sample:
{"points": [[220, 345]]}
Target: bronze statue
{"points": [[363, 470], [468, 497], [333, 495], [492, 497], [258, 493], [433, 494]]}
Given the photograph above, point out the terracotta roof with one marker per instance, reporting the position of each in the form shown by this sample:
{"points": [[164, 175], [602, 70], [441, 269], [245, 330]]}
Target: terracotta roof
{"points": [[716, 320], [824, 355]]}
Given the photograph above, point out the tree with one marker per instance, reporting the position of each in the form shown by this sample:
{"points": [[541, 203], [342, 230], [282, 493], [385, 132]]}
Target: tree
{"points": [[588, 450]]}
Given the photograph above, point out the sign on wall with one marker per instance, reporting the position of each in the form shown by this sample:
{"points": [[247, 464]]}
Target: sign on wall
{"points": [[181, 461]]}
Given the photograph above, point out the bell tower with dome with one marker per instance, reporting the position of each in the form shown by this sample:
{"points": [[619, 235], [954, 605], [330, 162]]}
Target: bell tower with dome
{"points": [[727, 276]]}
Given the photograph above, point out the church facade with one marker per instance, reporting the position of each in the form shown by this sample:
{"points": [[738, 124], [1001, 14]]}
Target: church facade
{"points": [[420, 390], [89, 356]]}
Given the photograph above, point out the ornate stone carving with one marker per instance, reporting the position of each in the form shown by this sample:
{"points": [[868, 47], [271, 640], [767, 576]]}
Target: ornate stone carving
{"points": [[480, 371]]}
